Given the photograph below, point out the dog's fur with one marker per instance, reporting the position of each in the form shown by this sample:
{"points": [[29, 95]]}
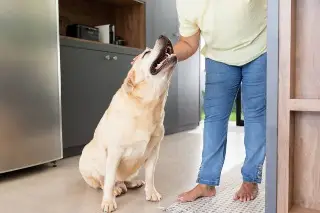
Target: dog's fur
{"points": [[129, 134]]}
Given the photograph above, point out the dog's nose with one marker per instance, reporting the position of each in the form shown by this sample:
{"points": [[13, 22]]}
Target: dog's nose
{"points": [[163, 37]]}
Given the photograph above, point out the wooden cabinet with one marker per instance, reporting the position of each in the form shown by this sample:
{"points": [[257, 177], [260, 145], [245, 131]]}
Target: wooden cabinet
{"points": [[299, 107]]}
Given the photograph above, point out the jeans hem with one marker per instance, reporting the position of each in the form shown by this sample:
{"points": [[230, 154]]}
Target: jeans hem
{"points": [[250, 180], [208, 182]]}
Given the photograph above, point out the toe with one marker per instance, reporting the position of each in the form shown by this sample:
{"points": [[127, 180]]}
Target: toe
{"points": [[188, 197], [183, 199], [251, 197], [181, 195], [236, 196], [246, 197], [242, 198]]}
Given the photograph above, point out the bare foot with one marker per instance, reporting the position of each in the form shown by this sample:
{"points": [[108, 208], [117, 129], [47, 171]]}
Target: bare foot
{"points": [[247, 192], [200, 190]]}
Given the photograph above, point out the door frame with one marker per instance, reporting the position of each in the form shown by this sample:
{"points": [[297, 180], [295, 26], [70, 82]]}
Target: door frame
{"points": [[272, 106]]}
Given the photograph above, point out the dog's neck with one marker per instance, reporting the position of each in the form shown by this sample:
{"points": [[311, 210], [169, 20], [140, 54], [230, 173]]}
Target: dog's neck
{"points": [[142, 103]]}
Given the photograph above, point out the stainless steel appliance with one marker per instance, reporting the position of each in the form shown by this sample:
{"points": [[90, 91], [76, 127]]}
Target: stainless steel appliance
{"points": [[30, 108]]}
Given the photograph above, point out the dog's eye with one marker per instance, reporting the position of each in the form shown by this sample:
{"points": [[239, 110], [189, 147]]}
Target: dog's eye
{"points": [[145, 53]]}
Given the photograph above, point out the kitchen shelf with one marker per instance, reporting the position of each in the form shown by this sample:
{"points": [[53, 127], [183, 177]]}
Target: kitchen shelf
{"points": [[128, 16], [307, 105], [298, 209], [94, 45]]}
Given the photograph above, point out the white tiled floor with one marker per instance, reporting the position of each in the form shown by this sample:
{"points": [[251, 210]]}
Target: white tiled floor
{"points": [[61, 190]]}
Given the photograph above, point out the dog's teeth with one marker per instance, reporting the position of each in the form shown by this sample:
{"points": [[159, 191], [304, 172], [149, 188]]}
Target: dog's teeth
{"points": [[160, 64]]}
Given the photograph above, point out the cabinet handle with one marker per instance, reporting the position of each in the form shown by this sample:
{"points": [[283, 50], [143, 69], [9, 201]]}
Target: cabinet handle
{"points": [[115, 58], [107, 57]]}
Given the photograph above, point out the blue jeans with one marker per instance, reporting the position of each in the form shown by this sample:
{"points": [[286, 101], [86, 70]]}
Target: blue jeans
{"points": [[222, 84]]}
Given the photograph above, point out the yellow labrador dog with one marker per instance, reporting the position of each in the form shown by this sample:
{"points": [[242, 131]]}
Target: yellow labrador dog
{"points": [[129, 134]]}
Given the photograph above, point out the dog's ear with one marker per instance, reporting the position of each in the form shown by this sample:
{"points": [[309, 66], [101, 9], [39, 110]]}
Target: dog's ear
{"points": [[129, 82]]}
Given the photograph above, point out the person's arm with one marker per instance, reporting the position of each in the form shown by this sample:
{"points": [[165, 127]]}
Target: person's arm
{"points": [[187, 46]]}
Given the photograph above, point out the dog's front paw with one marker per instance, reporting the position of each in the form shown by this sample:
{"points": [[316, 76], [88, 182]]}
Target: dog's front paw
{"points": [[153, 195], [108, 206]]}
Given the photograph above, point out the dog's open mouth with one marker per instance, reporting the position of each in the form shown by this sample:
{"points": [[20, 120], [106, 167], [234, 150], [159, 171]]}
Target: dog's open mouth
{"points": [[165, 57]]}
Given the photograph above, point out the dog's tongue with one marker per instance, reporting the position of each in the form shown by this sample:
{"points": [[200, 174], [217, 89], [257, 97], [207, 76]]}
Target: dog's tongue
{"points": [[161, 63]]}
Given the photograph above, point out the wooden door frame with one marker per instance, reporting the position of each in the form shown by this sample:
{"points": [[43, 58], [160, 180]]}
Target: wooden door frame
{"points": [[272, 106]]}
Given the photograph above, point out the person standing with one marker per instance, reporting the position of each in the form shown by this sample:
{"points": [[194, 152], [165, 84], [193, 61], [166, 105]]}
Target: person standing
{"points": [[235, 36]]}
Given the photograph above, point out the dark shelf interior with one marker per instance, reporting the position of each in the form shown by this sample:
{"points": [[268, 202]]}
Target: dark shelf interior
{"points": [[128, 16]]}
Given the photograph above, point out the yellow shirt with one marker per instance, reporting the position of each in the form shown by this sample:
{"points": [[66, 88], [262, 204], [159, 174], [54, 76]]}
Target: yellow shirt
{"points": [[234, 31]]}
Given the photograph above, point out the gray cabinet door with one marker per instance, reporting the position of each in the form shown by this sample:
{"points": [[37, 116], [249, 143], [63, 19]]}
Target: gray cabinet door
{"points": [[189, 92], [171, 113], [120, 63], [89, 82]]}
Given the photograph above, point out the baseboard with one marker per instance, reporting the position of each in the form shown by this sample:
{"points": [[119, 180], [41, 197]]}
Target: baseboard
{"points": [[171, 131], [72, 151]]}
